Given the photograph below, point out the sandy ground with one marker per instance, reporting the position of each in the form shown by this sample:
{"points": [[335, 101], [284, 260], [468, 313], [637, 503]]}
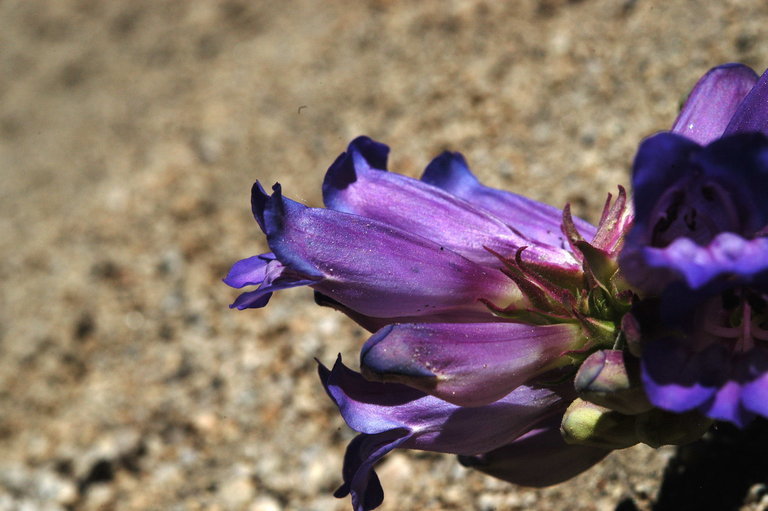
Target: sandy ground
{"points": [[130, 133]]}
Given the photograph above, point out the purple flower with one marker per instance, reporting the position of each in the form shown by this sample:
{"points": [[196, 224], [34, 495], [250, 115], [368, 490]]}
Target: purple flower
{"points": [[389, 247], [511, 431], [474, 295], [699, 244]]}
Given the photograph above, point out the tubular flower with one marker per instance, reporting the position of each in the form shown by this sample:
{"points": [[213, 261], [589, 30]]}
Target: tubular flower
{"points": [[482, 304], [391, 415], [698, 251]]}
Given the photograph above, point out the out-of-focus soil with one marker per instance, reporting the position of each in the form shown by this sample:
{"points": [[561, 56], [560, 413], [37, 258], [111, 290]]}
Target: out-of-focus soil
{"points": [[130, 134]]}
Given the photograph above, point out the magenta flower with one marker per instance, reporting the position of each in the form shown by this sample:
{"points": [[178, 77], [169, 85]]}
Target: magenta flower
{"points": [[474, 295], [699, 245]]}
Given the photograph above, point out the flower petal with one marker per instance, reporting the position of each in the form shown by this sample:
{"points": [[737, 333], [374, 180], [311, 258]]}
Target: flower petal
{"points": [[678, 380], [466, 364], [436, 425], [266, 272], [728, 254], [392, 415], [535, 220], [661, 161], [752, 114], [360, 480], [713, 102], [375, 269], [249, 272], [354, 185], [693, 203], [754, 395], [726, 405], [538, 458]]}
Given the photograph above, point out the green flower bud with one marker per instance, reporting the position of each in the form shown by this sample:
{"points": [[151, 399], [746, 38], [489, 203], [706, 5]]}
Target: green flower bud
{"points": [[611, 378], [586, 423]]}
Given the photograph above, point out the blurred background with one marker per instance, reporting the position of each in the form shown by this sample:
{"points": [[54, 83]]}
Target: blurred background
{"points": [[130, 134]]}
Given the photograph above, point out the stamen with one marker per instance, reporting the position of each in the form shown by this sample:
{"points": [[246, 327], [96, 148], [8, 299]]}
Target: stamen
{"points": [[745, 342]]}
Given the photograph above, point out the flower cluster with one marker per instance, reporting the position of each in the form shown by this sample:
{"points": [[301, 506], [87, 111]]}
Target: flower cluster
{"points": [[698, 251], [525, 340]]}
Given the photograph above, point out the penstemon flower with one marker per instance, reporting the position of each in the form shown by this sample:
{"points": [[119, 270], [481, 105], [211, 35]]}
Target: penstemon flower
{"points": [[483, 304], [526, 341], [698, 251]]}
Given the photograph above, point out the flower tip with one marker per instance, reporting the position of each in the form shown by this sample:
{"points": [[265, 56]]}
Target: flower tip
{"points": [[259, 198], [394, 361], [374, 153], [449, 170]]}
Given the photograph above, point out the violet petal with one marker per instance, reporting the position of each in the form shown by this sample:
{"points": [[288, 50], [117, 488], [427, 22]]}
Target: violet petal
{"points": [[728, 254], [375, 269], [354, 185], [392, 415], [754, 394], [752, 114], [677, 379], [466, 364], [537, 459], [714, 101], [372, 407], [360, 480], [266, 272], [535, 220]]}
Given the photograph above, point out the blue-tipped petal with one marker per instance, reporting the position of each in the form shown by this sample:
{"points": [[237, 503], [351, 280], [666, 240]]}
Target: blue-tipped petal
{"points": [[728, 255], [726, 405], [360, 480], [678, 379], [752, 114], [714, 101], [535, 220], [539, 458], [353, 185], [754, 394], [467, 364], [259, 199], [375, 269]]}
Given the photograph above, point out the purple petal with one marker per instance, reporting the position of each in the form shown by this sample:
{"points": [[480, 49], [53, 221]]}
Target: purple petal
{"points": [[360, 480], [266, 272], [392, 415], [727, 254], [535, 220], [678, 379], [259, 199], [752, 114], [375, 269], [466, 364], [538, 458], [726, 405], [713, 102], [354, 185], [249, 272], [685, 196], [373, 324], [436, 425], [662, 161], [754, 391]]}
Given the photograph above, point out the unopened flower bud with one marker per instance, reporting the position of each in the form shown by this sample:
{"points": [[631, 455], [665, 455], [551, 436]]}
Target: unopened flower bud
{"points": [[611, 378], [586, 423]]}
